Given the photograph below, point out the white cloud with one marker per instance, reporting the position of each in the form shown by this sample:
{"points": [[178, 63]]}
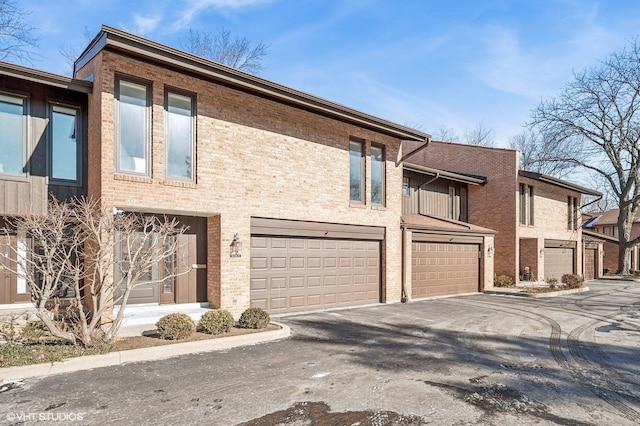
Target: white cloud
{"points": [[193, 7], [146, 24]]}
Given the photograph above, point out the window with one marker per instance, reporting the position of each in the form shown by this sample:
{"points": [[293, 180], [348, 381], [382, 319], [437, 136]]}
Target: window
{"points": [[356, 169], [65, 149], [377, 175], [526, 204], [180, 140], [405, 186], [452, 204], [615, 231], [132, 128], [572, 213], [13, 139]]}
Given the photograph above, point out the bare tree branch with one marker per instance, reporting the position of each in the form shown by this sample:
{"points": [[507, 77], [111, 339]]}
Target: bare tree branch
{"points": [[17, 41], [480, 135], [236, 52], [595, 120]]}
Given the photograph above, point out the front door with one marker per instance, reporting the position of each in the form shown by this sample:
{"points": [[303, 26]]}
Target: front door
{"points": [[13, 288]]}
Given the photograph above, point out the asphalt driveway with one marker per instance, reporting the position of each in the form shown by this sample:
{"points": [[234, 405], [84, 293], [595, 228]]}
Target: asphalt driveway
{"points": [[465, 360]]}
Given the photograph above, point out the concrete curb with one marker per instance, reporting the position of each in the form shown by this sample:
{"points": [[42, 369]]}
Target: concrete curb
{"points": [[143, 354], [522, 293]]}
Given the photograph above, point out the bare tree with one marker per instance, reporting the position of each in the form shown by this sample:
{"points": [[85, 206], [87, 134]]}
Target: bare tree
{"points": [[236, 52], [447, 134], [480, 135], [72, 256], [71, 51], [541, 154], [16, 36], [596, 119]]}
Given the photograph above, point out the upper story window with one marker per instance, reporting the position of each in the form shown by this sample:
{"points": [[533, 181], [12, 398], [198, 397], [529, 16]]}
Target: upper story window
{"points": [[526, 204], [65, 149], [13, 135], [377, 175], [405, 187], [180, 137], [572, 213], [452, 204], [356, 171], [132, 127]]}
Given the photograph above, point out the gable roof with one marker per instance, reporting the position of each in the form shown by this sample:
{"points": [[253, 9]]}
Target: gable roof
{"points": [[46, 78], [609, 217], [558, 182], [117, 40]]}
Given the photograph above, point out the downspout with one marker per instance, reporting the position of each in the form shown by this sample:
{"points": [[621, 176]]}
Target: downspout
{"points": [[414, 152], [403, 291]]}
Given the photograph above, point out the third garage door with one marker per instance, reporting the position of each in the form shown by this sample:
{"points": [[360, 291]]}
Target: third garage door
{"points": [[440, 269], [299, 273]]}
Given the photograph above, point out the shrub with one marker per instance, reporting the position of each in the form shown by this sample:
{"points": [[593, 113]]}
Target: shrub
{"points": [[254, 318], [503, 281], [553, 282], [34, 331], [217, 321], [572, 280], [175, 326]]}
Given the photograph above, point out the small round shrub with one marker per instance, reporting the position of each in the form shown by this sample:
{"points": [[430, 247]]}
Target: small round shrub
{"points": [[503, 281], [553, 282], [175, 326], [254, 318], [217, 321], [572, 280]]}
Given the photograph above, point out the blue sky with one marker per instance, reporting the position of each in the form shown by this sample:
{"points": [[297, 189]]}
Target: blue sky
{"points": [[429, 64]]}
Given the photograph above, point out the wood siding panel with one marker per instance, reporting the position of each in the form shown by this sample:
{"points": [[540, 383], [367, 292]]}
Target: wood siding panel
{"points": [[433, 198]]}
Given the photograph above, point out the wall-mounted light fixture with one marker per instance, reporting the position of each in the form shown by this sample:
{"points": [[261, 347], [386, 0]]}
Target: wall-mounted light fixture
{"points": [[236, 246], [541, 252], [490, 250]]}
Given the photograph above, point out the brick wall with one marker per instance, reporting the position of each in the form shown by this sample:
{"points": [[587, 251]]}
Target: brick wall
{"points": [[492, 205], [254, 157]]}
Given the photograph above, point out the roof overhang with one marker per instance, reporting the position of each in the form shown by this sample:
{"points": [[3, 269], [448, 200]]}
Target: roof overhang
{"points": [[559, 182], [473, 180], [45, 78], [599, 236], [441, 225], [116, 40]]}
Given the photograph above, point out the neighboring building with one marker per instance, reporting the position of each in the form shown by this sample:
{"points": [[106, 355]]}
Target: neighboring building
{"points": [[604, 225], [43, 154], [311, 190], [444, 255], [536, 216]]}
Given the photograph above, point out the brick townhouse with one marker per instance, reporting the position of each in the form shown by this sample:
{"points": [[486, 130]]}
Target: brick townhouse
{"points": [[537, 217]]}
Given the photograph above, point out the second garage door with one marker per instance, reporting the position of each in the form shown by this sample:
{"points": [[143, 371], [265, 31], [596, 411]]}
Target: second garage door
{"points": [[299, 273], [558, 261], [440, 269], [590, 256]]}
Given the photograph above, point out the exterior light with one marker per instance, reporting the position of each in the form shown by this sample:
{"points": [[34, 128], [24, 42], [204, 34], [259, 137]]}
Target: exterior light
{"points": [[236, 246]]}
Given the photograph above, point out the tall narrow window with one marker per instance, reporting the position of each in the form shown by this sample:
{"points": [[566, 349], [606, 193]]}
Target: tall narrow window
{"points": [[377, 175], [526, 204], [12, 135], [405, 186], [64, 143], [180, 140], [572, 213], [452, 210], [133, 128], [356, 169]]}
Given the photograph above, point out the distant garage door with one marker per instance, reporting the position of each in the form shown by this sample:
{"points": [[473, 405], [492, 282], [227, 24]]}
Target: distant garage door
{"points": [[296, 273], [558, 261], [441, 269], [590, 263]]}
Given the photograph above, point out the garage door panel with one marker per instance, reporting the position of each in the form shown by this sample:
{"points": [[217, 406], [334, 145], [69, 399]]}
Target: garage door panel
{"points": [[558, 261], [440, 269], [590, 263], [319, 273]]}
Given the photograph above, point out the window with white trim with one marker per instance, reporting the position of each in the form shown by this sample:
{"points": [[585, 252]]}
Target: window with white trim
{"points": [[179, 125]]}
